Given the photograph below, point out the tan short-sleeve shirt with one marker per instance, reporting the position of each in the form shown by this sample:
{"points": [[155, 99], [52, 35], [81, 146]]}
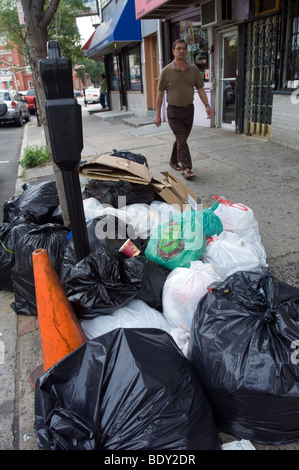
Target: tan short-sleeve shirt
{"points": [[179, 84]]}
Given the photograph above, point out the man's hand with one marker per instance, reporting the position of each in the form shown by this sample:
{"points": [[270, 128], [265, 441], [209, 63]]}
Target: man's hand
{"points": [[209, 112], [157, 121]]}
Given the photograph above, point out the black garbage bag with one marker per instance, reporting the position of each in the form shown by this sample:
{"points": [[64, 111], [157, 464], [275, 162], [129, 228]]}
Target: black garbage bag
{"points": [[96, 284], [243, 346], [106, 232], [53, 239], [99, 283], [129, 389], [133, 157], [150, 278], [119, 193], [10, 233], [36, 203]]}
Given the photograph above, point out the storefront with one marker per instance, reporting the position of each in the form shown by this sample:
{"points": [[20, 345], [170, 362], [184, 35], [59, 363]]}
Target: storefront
{"points": [[118, 39], [184, 22]]}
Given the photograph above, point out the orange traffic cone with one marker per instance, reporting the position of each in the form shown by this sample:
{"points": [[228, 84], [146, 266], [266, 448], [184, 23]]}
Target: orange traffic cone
{"points": [[60, 330]]}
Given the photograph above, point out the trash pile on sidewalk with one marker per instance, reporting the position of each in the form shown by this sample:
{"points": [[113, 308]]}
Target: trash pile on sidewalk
{"points": [[188, 332]]}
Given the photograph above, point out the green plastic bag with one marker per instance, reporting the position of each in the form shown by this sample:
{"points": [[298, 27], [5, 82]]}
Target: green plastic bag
{"points": [[179, 241], [212, 224]]}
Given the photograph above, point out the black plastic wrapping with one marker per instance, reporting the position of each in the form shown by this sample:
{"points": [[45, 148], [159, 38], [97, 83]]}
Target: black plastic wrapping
{"points": [[10, 233], [130, 389], [96, 285], [53, 239], [119, 193], [133, 157], [101, 282], [36, 203], [149, 277], [243, 346]]}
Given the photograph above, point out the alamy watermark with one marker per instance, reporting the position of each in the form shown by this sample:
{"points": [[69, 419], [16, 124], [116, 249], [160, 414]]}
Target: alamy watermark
{"points": [[295, 353], [294, 97], [2, 350], [141, 221]]}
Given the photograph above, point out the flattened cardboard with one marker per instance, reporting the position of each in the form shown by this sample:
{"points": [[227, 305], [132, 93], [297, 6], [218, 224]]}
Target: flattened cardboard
{"points": [[173, 191], [111, 168]]}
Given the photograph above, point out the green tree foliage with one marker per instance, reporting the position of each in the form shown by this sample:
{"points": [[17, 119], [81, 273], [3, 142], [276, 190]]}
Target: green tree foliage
{"points": [[62, 28], [91, 68]]}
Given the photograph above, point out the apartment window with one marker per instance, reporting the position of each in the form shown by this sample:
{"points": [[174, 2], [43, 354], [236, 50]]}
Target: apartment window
{"points": [[265, 6]]}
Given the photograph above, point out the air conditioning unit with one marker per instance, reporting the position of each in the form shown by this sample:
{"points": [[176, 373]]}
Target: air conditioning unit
{"points": [[216, 12]]}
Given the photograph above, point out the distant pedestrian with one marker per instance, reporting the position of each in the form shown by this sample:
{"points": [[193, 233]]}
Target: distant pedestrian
{"points": [[103, 90], [178, 79]]}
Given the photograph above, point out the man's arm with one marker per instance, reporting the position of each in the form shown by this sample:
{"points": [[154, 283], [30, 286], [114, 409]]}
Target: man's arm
{"points": [[203, 96], [159, 102]]}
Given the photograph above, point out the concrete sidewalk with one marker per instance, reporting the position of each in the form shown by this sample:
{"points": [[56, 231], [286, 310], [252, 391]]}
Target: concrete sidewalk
{"points": [[244, 169]]}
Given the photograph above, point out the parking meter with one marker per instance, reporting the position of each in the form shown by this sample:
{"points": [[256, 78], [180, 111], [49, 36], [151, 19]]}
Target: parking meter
{"points": [[65, 128]]}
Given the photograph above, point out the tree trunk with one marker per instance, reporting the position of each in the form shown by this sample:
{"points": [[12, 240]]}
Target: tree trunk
{"points": [[37, 21]]}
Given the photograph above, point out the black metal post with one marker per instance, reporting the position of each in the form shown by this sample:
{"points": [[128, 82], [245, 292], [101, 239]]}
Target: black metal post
{"points": [[65, 128]]}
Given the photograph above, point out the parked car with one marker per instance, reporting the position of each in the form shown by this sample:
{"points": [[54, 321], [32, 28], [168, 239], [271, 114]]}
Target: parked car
{"points": [[30, 96], [92, 95], [13, 107], [77, 93]]}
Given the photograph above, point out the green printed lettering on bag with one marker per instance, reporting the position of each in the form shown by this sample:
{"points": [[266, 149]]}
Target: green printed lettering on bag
{"points": [[171, 242], [179, 241]]}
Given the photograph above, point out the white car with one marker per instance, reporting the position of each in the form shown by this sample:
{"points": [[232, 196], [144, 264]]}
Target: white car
{"points": [[92, 95], [13, 107]]}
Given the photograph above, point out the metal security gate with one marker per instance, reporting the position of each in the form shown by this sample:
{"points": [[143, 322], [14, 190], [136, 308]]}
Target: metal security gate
{"points": [[261, 49]]}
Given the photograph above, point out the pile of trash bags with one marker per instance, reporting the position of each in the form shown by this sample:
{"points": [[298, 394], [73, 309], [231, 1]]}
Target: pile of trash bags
{"points": [[189, 333]]}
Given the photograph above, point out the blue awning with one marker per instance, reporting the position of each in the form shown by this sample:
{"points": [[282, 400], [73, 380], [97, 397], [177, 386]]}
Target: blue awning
{"points": [[118, 31]]}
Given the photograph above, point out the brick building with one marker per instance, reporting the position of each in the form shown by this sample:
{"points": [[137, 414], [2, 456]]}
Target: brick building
{"points": [[15, 74]]}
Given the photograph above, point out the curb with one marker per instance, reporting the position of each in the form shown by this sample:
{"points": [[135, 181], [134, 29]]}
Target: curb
{"points": [[19, 183]]}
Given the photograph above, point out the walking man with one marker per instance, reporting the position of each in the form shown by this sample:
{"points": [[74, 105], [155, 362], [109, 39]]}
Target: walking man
{"points": [[178, 79]]}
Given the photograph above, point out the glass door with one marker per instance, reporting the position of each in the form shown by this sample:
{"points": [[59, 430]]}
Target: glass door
{"points": [[228, 76]]}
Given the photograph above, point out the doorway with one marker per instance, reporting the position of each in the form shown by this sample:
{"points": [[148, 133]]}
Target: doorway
{"points": [[228, 79], [151, 69]]}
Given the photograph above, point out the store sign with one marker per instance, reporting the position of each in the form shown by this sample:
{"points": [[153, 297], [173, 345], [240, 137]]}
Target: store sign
{"points": [[144, 6], [5, 78], [20, 13], [92, 6]]}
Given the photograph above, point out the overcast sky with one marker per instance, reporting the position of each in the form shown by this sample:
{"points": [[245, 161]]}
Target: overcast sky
{"points": [[85, 27]]}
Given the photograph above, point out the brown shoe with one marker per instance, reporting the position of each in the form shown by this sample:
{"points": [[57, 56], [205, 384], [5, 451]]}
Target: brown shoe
{"points": [[188, 174], [175, 166]]}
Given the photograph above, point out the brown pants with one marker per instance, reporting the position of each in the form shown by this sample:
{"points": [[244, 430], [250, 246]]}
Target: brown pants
{"points": [[180, 120]]}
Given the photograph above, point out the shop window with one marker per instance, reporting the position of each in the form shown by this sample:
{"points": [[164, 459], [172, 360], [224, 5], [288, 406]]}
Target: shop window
{"points": [[133, 68], [197, 43], [265, 6], [114, 73], [290, 57]]}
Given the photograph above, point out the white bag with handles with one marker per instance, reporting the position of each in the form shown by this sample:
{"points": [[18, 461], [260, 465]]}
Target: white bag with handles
{"points": [[240, 219]]}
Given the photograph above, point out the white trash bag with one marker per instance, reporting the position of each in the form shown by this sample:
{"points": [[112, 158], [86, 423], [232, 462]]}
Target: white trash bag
{"points": [[137, 314], [230, 253], [183, 289], [240, 219]]}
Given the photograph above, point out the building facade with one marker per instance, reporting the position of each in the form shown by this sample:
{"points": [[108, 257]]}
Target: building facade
{"points": [[14, 73], [118, 39], [248, 53]]}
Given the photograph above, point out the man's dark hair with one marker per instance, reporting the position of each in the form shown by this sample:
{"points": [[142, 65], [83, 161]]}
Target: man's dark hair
{"points": [[178, 41]]}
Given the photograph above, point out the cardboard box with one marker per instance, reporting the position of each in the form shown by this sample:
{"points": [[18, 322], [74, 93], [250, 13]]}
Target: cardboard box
{"points": [[111, 168], [174, 191]]}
